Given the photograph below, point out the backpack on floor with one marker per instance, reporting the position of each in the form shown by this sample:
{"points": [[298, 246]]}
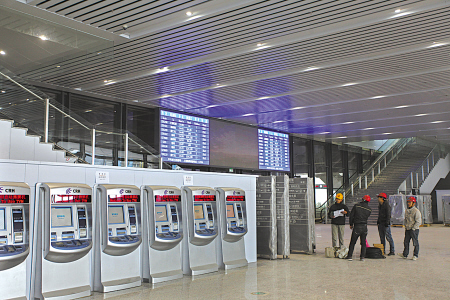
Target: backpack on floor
{"points": [[373, 252]]}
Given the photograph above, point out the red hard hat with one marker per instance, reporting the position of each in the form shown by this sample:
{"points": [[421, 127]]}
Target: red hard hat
{"points": [[411, 199], [382, 195], [366, 198]]}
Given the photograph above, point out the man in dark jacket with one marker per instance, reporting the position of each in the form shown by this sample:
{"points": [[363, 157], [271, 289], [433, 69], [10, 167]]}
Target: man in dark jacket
{"points": [[384, 223], [337, 214], [358, 222]]}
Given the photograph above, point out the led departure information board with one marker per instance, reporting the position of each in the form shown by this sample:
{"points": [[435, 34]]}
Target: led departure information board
{"points": [[273, 150], [184, 139]]}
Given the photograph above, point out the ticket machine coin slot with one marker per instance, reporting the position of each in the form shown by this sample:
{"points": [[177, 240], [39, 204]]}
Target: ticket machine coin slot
{"points": [[165, 228], [68, 235], [121, 231], [3, 240]]}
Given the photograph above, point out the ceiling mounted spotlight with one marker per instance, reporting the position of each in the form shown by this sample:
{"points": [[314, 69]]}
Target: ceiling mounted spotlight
{"points": [[189, 13], [43, 37], [2, 52]]}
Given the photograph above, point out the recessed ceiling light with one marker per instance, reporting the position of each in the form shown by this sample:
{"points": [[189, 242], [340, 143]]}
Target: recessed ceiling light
{"points": [[341, 137], [349, 84], [298, 107], [402, 106], [368, 128], [210, 106], [3, 92], [378, 97], [348, 123], [165, 96], [311, 68], [105, 81], [2, 52], [278, 122], [43, 37], [401, 14], [160, 70], [58, 66], [387, 133], [189, 13], [435, 122], [246, 115], [437, 44], [421, 115], [398, 10], [262, 98], [325, 132], [135, 100], [88, 110], [259, 44]]}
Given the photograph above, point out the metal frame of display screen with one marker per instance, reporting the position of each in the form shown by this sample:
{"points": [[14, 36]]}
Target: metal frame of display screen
{"points": [[273, 150], [184, 138]]}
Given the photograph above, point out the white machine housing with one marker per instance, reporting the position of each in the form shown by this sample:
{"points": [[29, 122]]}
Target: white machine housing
{"points": [[117, 237], [232, 215], [62, 240], [200, 224], [14, 239], [163, 232]]}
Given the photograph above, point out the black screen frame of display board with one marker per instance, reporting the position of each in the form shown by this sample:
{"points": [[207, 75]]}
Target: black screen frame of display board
{"points": [[224, 142], [289, 150], [190, 115]]}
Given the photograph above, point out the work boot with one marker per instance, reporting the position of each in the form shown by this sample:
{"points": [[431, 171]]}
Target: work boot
{"points": [[391, 254]]}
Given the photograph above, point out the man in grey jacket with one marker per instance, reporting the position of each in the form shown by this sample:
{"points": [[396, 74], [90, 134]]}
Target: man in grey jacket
{"points": [[413, 219]]}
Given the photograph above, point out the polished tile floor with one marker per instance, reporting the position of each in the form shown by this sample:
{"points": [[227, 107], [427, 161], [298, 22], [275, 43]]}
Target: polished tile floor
{"points": [[317, 277]]}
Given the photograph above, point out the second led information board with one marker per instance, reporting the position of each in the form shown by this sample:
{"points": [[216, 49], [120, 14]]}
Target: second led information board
{"points": [[273, 150], [184, 139]]}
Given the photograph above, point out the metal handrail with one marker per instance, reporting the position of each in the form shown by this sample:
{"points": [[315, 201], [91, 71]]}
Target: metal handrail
{"points": [[394, 150]]}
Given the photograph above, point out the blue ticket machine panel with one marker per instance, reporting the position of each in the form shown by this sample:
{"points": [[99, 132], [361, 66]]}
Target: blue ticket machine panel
{"points": [[233, 227], [117, 237], [201, 215], [121, 218], [162, 218], [14, 238], [63, 240]]}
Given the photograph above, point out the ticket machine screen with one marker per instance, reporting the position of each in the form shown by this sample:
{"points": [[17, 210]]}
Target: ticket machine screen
{"points": [[61, 216], [160, 213], [198, 212], [2, 219], [230, 211], [115, 215]]}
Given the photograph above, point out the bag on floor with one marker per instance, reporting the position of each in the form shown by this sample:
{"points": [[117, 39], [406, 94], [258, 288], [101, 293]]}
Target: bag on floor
{"points": [[342, 252], [373, 252], [330, 252]]}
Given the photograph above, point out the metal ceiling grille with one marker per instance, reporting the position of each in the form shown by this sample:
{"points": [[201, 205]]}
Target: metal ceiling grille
{"points": [[344, 70]]}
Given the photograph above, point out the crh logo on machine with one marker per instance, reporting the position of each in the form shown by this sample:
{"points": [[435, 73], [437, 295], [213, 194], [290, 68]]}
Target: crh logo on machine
{"points": [[121, 191], [68, 191], [73, 191], [206, 192], [168, 192], [1, 190]]}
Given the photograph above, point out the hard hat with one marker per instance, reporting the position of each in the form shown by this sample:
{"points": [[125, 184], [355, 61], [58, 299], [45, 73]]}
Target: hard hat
{"points": [[411, 199], [366, 198], [382, 195], [339, 196]]}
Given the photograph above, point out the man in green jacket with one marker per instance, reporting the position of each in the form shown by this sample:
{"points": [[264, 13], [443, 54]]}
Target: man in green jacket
{"points": [[413, 219]]}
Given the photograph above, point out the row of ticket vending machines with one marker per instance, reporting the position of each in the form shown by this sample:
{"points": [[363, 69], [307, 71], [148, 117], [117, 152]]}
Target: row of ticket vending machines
{"points": [[74, 239]]}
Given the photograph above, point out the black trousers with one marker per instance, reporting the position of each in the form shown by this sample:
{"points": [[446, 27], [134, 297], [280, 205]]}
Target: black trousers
{"points": [[414, 236], [359, 231]]}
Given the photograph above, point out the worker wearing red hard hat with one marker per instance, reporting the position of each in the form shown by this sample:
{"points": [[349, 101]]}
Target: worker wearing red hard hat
{"points": [[413, 220], [384, 223], [358, 222]]}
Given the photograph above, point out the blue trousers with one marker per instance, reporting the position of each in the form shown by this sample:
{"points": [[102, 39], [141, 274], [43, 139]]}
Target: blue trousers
{"points": [[385, 234]]}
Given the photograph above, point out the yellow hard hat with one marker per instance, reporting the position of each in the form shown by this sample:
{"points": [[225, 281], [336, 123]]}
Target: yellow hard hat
{"points": [[339, 196]]}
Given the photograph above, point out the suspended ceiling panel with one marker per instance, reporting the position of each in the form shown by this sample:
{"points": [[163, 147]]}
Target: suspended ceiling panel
{"points": [[334, 70]]}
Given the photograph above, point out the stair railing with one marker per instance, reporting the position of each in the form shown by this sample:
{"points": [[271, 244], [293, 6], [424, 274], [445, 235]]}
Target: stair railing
{"points": [[416, 178], [363, 181], [30, 107]]}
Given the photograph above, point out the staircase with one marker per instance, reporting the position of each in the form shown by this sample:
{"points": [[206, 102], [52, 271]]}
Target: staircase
{"points": [[17, 145], [389, 180]]}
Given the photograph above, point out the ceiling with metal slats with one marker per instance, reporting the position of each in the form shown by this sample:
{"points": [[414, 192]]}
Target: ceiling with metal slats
{"points": [[331, 70]]}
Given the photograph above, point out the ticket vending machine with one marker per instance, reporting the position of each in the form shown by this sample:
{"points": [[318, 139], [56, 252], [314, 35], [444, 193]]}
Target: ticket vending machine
{"points": [[232, 228], [62, 240], [200, 226], [163, 232], [117, 237], [14, 239]]}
